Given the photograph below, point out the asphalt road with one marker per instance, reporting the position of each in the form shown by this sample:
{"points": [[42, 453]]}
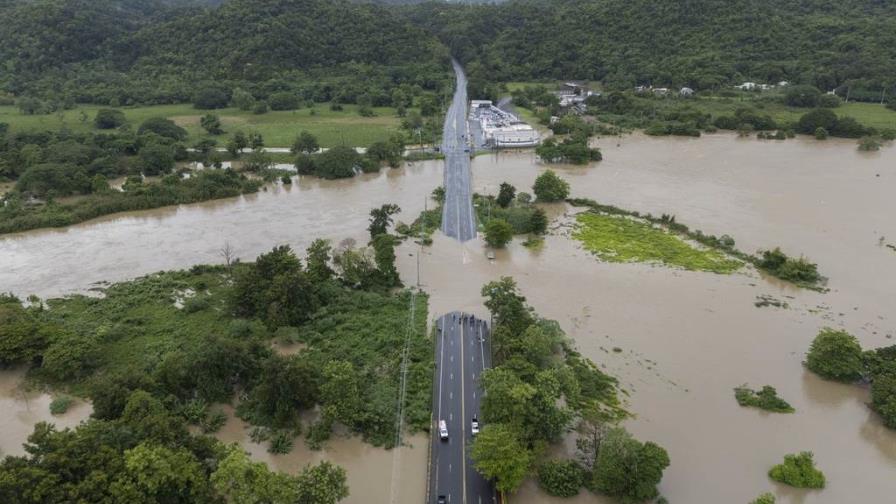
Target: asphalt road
{"points": [[458, 219], [462, 353]]}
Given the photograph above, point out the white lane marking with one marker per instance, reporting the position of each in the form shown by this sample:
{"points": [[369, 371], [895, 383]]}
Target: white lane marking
{"points": [[441, 368]]}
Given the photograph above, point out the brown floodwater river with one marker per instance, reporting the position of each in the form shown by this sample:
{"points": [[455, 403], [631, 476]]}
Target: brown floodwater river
{"points": [[686, 338]]}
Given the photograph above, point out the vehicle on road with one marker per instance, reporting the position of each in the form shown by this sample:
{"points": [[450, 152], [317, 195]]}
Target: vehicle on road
{"points": [[442, 500], [443, 430], [474, 426]]}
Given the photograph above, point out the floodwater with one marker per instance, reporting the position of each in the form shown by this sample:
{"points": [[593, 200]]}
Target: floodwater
{"points": [[370, 470], [687, 338], [21, 409]]}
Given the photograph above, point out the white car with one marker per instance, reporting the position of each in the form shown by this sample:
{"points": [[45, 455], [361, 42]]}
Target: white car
{"points": [[443, 430], [474, 426]]}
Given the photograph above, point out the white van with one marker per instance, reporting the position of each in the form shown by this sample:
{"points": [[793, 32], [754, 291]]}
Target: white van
{"points": [[443, 430]]}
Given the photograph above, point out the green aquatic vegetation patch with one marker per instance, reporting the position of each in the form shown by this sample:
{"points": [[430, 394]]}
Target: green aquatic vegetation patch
{"points": [[621, 239], [766, 399], [798, 470]]}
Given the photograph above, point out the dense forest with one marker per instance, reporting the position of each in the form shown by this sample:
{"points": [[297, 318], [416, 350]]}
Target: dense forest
{"points": [[699, 43], [127, 52]]}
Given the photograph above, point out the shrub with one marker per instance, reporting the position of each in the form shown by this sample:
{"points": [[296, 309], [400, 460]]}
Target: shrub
{"points": [[766, 498], [835, 355], [828, 101], [60, 405], [561, 478], [214, 421], [821, 133], [108, 118], [798, 470], [780, 265], [766, 399], [869, 144], [550, 187], [281, 442]]}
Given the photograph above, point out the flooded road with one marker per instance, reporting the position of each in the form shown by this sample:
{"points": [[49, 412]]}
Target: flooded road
{"points": [[687, 338]]}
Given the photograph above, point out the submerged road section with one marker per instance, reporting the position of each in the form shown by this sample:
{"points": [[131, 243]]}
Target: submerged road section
{"points": [[463, 352], [458, 219]]}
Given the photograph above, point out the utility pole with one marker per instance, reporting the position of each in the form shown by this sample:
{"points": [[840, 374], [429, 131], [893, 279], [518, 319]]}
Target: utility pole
{"points": [[420, 249]]}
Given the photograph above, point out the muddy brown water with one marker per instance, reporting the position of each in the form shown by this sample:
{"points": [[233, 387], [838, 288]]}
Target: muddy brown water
{"points": [[687, 338]]}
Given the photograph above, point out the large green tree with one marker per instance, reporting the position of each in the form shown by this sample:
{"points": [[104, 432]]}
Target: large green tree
{"points": [[498, 454], [628, 469], [835, 355]]}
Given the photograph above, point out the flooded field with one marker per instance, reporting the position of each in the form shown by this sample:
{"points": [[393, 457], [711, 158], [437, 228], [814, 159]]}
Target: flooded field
{"points": [[687, 338]]}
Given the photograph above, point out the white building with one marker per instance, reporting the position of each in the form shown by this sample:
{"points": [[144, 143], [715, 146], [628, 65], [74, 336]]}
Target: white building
{"points": [[686, 91]]}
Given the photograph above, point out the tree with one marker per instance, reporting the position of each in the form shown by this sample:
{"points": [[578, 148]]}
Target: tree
{"points": [[835, 355], [550, 187], [381, 219], [818, 118], [283, 101], [23, 337], [560, 478], [166, 474], [211, 97], [384, 257], [338, 162], [498, 454], [507, 306], [802, 96], [237, 143], [318, 261], [108, 118], [212, 124], [156, 159], [242, 99], [538, 222], [498, 233], [305, 143], [256, 141], [340, 392], [162, 127], [305, 164], [505, 195], [242, 481], [324, 483], [70, 356], [628, 469], [798, 470]]}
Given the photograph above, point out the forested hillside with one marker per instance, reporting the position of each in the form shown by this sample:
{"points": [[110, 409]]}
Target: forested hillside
{"points": [[701, 43], [125, 51]]}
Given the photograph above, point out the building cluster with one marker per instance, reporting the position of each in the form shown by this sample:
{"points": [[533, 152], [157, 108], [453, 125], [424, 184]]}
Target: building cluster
{"points": [[501, 128], [752, 86], [684, 92]]}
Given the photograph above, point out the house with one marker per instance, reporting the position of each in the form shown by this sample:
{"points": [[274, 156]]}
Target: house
{"points": [[661, 91], [747, 86], [686, 92], [642, 89]]}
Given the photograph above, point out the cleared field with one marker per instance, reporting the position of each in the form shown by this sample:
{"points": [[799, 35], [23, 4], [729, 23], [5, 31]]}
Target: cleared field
{"points": [[345, 127]]}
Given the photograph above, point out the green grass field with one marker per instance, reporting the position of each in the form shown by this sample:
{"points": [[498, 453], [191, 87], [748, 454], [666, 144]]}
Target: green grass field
{"points": [[615, 238], [279, 128]]}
